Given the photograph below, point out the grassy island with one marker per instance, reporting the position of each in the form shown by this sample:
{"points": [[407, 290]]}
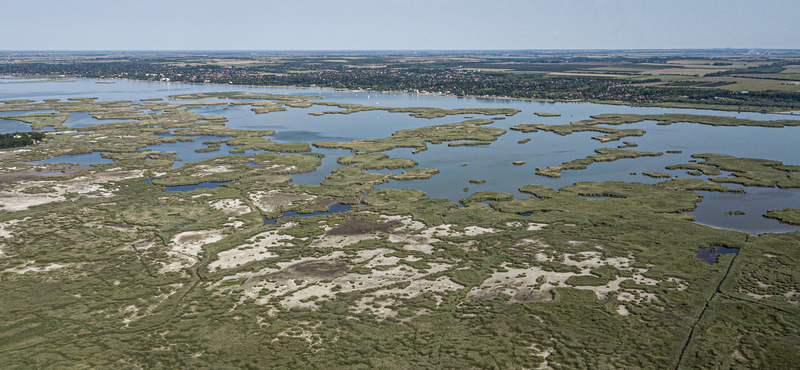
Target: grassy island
{"points": [[603, 155]]}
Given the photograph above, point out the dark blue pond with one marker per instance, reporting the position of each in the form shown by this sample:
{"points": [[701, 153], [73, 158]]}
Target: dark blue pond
{"points": [[202, 185], [710, 253], [335, 208]]}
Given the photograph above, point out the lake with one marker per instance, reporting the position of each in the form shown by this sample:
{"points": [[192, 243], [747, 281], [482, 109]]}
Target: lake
{"points": [[492, 163]]}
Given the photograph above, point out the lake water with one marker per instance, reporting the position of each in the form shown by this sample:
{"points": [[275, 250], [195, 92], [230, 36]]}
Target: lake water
{"points": [[333, 208], [492, 163], [711, 253]]}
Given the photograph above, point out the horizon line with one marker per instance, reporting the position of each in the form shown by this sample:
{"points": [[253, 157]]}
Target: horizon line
{"points": [[383, 50]]}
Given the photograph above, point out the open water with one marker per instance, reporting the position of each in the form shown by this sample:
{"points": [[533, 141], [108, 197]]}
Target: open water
{"points": [[492, 163]]}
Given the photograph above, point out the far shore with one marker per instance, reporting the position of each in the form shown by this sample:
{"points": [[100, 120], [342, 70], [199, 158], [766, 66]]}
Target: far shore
{"points": [[767, 110]]}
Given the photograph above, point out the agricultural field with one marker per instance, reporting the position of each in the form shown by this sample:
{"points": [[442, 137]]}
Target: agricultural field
{"points": [[737, 80]]}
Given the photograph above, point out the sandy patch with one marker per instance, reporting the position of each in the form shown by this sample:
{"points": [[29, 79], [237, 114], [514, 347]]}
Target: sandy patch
{"points": [[274, 200], [376, 279], [534, 226], [302, 333], [5, 228], [26, 194], [370, 254], [132, 313], [340, 241], [302, 282], [186, 246], [11, 153], [793, 296], [593, 259], [204, 170], [531, 226], [231, 207], [28, 267], [257, 248], [235, 224], [418, 238], [758, 296], [143, 244], [379, 306], [622, 310], [523, 285], [535, 284], [636, 297], [543, 354], [291, 276]]}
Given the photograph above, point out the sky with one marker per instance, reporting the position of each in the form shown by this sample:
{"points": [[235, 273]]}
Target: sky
{"points": [[174, 25]]}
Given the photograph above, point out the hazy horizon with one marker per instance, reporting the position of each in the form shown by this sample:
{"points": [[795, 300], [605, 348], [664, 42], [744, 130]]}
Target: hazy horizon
{"points": [[393, 25]]}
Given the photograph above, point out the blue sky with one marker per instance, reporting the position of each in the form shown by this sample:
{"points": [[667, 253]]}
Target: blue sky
{"points": [[397, 25]]}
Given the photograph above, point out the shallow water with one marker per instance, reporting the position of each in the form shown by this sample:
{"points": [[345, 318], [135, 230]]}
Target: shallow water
{"points": [[492, 163], [713, 210], [186, 149], [334, 208], [202, 185], [711, 253], [83, 119], [79, 159]]}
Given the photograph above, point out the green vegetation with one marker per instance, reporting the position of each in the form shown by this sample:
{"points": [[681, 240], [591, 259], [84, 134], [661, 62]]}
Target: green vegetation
{"points": [[539, 191], [18, 139], [241, 95], [416, 174], [542, 114], [657, 175], [39, 121], [789, 216], [670, 118], [723, 80], [418, 112], [483, 196], [419, 137], [614, 134], [376, 161], [696, 184], [745, 171], [230, 168], [101, 269], [603, 155], [473, 181]]}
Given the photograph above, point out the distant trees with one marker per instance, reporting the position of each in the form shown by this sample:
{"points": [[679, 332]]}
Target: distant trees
{"points": [[19, 139]]}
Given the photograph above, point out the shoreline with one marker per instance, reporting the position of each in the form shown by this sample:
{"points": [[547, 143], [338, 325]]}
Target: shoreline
{"points": [[724, 108]]}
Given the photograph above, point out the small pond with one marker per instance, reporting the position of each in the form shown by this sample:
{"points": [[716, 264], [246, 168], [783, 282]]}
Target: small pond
{"points": [[710, 253]]}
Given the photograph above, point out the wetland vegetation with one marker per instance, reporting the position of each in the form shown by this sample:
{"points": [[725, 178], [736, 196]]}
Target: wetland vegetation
{"points": [[101, 268]]}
